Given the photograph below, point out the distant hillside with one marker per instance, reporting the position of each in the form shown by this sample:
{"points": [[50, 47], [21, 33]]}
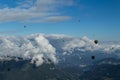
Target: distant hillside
{"points": [[24, 70], [106, 69]]}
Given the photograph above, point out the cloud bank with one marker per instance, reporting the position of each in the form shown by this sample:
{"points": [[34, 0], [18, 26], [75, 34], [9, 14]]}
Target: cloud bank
{"points": [[35, 11], [34, 47], [41, 48]]}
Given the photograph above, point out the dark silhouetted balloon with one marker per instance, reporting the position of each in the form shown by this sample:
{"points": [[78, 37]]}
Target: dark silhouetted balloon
{"points": [[8, 69], [24, 26], [96, 41], [78, 20], [93, 57], [112, 48]]}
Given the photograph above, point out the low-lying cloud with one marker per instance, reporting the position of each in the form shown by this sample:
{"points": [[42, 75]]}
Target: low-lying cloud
{"points": [[35, 47], [41, 48]]}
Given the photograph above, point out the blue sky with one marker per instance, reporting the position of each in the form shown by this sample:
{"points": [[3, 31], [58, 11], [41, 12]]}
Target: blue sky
{"points": [[99, 19]]}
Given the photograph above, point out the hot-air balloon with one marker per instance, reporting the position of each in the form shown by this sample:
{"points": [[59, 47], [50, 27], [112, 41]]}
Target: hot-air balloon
{"points": [[25, 26], [8, 69], [96, 41], [93, 57], [112, 48]]}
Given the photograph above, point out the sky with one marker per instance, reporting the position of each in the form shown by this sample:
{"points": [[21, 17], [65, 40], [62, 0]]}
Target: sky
{"points": [[97, 19]]}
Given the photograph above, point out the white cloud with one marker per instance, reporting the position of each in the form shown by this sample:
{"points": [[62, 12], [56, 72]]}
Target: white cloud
{"points": [[58, 36], [74, 43], [39, 11], [35, 47], [38, 60], [82, 44], [41, 48], [86, 44]]}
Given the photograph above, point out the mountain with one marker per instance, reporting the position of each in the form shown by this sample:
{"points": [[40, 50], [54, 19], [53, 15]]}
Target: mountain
{"points": [[24, 70], [106, 69], [57, 57]]}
